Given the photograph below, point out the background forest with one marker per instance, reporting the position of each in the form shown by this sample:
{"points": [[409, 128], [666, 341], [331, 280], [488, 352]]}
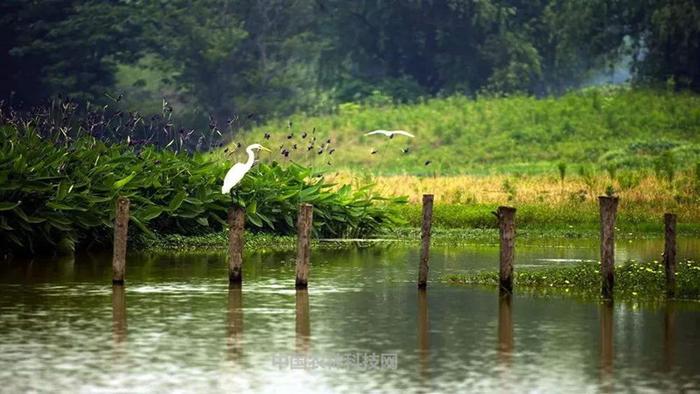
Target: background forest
{"points": [[247, 61]]}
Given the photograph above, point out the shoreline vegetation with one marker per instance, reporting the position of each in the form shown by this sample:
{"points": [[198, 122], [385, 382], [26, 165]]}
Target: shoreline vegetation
{"points": [[633, 279], [58, 188], [218, 241]]}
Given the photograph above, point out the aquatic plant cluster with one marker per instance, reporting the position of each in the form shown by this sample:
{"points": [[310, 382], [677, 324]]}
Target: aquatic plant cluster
{"points": [[632, 279], [59, 179]]}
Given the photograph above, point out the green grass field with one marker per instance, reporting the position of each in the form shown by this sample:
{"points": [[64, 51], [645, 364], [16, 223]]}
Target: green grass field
{"points": [[605, 128]]}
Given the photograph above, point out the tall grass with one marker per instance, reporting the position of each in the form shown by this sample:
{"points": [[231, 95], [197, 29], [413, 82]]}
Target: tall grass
{"points": [[543, 200], [616, 128]]}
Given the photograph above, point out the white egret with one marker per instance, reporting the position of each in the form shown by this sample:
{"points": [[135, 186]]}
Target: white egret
{"points": [[238, 171], [391, 133]]}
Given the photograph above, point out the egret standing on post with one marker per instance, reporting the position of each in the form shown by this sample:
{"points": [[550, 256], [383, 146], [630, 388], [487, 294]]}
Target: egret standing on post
{"points": [[238, 171], [236, 215]]}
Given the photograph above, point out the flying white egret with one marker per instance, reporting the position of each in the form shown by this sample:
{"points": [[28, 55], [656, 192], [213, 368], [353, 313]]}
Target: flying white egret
{"points": [[238, 171], [391, 133]]}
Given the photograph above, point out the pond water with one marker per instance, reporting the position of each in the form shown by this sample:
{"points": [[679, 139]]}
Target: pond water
{"points": [[362, 326]]}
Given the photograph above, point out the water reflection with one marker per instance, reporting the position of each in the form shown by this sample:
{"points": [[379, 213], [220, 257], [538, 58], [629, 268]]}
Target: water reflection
{"points": [[234, 341], [669, 335], [423, 335], [303, 326], [505, 329], [189, 328], [118, 314], [606, 344]]}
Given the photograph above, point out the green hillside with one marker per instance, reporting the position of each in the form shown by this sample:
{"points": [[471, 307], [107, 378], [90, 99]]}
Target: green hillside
{"points": [[606, 127]]}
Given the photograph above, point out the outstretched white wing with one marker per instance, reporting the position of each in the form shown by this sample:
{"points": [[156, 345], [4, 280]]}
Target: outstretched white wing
{"points": [[402, 132], [386, 133], [233, 176], [390, 133]]}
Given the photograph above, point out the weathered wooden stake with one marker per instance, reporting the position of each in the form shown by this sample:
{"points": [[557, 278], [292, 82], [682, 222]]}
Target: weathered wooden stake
{"points": [[670, 253], [425, 241], [304, 225], [608, 210], [236, 222], [121, 225], [506, 226]]}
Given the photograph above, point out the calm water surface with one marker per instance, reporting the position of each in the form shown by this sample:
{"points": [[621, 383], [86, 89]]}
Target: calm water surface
{"points": [[178, 327]]}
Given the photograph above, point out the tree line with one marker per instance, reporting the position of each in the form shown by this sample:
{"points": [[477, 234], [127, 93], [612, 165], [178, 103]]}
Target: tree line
{"points": [[228, 58]]}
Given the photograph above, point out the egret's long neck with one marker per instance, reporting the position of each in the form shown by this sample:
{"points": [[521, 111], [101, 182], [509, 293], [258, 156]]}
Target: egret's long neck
{"points": [[251, 157]]}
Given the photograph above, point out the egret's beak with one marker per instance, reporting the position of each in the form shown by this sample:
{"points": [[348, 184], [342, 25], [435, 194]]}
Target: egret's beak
{"points": [[265, 149]]}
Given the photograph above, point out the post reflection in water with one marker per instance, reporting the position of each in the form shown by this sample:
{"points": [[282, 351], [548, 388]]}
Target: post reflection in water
{"points": [[118, 313], [669, 335], [423, 334], [234, 341], [303, 326], [606, 343], [505, 329]]}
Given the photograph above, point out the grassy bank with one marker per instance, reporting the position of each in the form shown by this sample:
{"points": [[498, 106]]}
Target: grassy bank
{"points": [[632, 279], [618, 128], [542, 200]]}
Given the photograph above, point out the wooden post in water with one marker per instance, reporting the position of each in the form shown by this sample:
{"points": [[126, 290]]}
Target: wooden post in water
{"points": [[121, 226], [506, 226], [670, 253], [304, 225], [425, 241], [608, 210], [236, 222]]}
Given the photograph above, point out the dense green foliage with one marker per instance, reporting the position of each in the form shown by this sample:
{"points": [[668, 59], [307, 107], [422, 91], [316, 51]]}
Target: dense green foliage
{"points": [[632, 279], [601, 128], [59, 192], [227, 57]]}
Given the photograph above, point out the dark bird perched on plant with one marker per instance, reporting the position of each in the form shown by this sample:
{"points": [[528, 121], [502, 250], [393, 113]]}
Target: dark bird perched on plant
{"points": [[328, 141], [267, 136], [303, 135], [311, 146], [374, 152], [289, 137], [428, 162], [404, 150]]}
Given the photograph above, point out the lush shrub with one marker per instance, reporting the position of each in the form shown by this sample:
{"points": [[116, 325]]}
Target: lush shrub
{"points": [[62, 192]]}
